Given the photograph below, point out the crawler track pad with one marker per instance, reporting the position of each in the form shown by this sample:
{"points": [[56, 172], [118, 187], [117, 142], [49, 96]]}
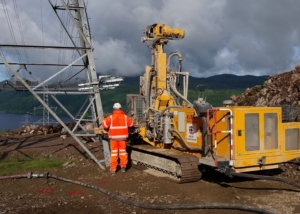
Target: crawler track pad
{"points": [[180, 167]]}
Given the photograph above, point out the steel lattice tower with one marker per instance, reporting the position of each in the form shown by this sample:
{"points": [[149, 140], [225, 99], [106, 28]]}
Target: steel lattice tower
{"points": [[76, 11]]}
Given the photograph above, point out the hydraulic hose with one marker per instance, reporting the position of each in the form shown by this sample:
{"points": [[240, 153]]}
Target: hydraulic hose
{"points": [[171, 55], [13, 177], [29, 175], [190, 148], [179, 95], [165, 109], [149, 206], [180, 65], [264, 177]]}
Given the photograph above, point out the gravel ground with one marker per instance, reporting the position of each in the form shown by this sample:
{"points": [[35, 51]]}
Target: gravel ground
{"points": [[40, 195]]}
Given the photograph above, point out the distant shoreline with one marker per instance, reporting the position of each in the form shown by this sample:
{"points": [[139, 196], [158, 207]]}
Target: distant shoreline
{"points": [[15, 121]]}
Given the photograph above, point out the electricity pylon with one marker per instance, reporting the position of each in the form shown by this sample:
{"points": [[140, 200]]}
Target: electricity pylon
{"points": [[76, 11]]}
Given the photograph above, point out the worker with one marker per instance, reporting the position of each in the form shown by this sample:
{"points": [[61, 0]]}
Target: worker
{"points": [[117, 124]]}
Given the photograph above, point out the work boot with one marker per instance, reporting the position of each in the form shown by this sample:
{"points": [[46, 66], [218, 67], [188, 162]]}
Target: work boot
{"points": [[112, 172], [123, 170]]}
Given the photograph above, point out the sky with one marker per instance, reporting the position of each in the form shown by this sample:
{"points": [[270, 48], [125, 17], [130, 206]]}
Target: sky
{"points": [[250, 37]]}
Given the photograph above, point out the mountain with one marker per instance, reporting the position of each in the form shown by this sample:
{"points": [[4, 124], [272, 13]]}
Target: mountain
{"points": [[221, 87], [222, 81], [227, 81]]}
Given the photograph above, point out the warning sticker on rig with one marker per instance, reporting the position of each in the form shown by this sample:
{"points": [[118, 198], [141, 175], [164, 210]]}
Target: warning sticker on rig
{"points": [[191, 134]]}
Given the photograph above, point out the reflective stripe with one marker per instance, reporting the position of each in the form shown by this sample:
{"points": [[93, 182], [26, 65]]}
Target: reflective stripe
{"points": [[114, 150], [118, 136], [123, 154], [122, 150], [113, 155], [118, 127], [131, 123], [104, 124]]}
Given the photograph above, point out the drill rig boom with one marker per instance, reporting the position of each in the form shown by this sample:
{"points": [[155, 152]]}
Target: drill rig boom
{"points": [[175, 135], [159, 100]]}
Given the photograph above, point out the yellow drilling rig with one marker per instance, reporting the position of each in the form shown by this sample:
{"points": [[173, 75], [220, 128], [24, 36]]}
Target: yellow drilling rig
{"points": [[176, 136]]}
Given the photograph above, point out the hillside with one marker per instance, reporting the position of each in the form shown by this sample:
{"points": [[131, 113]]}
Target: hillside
{"points": [[223, 81], [220, 88], [227, 81]]}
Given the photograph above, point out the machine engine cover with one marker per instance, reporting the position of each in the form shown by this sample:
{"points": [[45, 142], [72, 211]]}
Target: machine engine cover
{"points": [[201, 106]]}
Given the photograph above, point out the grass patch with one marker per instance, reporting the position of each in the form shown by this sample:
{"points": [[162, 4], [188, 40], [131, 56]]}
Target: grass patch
{"points": [[14, 165], [4, 131]]}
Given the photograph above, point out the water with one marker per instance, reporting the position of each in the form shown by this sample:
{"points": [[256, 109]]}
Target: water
{"points": [[15, 121]]}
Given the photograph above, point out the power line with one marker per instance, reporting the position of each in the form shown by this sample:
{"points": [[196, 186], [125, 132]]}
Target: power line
{"points": [[8, 72], [65, 41], [42, 29], [62, 41], [11, 28], [20, 29], [74, 52]]}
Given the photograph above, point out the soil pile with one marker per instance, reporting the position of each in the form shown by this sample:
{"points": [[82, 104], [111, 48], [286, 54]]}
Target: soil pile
{"points": [[280, 89]]}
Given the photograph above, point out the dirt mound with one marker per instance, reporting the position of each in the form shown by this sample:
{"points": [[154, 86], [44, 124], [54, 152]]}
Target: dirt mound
{"points": [[280, 89]]}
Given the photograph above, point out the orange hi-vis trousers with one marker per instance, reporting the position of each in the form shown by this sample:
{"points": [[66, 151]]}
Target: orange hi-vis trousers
{"points": [[118, 149]]}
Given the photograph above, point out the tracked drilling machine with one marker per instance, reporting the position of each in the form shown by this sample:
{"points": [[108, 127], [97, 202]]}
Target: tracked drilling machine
{"points": [[176, 136]]}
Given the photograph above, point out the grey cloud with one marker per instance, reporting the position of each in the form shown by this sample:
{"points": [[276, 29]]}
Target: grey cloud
{"points": [[266, 33], [222, 36]]}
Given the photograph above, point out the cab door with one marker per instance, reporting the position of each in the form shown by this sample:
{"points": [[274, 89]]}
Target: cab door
{"points": [[257, 133]]}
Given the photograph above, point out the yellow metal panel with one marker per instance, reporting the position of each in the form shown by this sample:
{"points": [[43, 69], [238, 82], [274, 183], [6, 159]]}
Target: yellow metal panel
{"points": [[162, 101], [250, 157], [223, 139], [267, 150], [288, 155], [256, 168], [146, 84], [161, 70], [157, 31], [162, 30], [245, 161], [190, 122], [258, 140], [154, 82]]}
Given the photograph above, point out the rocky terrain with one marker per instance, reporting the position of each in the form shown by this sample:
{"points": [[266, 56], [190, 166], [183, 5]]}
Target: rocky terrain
{"points": [[280, 89], [41, 195]]}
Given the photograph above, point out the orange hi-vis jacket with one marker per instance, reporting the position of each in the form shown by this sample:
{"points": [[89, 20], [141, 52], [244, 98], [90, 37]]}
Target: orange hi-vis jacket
{"points": [[118, 124]]}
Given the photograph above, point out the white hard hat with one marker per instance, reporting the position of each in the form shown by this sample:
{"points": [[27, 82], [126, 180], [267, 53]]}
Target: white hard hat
{"points": [[117, 106]]}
